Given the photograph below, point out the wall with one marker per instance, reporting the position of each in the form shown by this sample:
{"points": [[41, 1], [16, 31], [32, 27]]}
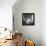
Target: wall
{"points": [[29, 32], [6, 13], [43, 22]]}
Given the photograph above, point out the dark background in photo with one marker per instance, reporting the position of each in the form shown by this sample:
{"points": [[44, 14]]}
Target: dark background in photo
{"points": [[28, 18]]}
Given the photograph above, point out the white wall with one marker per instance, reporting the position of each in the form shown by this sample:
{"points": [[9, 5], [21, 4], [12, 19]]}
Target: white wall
{"points": [[30, 32], [43, 22], [6, 13]]}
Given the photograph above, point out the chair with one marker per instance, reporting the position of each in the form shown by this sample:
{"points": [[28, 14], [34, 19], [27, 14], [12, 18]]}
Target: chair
{"points": [[18, 39]]}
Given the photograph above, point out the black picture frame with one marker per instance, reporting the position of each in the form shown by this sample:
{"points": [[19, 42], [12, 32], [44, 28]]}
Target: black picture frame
{"points": [[28, 18]]}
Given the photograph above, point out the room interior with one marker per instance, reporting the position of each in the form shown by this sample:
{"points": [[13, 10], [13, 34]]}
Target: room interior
{"points": [[22, 23]]}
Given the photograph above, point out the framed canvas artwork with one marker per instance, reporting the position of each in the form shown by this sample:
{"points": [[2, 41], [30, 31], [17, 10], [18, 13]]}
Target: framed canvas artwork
{"points": [[28, 18]]}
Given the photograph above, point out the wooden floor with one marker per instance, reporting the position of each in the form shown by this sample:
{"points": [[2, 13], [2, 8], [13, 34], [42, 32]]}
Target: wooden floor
{"points": [[9, 43]]}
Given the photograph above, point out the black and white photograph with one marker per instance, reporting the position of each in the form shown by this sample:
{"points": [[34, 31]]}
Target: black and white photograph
{"points": [[28, 18]]}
